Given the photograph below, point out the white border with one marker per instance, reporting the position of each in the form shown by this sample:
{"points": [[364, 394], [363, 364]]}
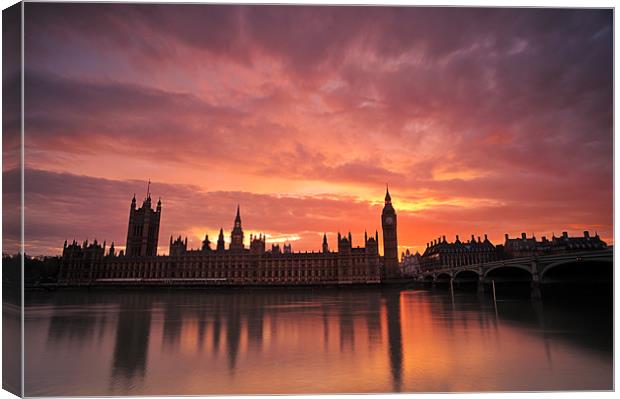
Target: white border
{"points": [[479, 3]]}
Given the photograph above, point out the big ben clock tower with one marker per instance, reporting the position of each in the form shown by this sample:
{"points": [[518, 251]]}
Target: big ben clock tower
{"points": [[390, 242]]}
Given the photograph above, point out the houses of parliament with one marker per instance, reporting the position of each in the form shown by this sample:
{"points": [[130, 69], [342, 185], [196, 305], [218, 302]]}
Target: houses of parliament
{"points": [[93, 264]]}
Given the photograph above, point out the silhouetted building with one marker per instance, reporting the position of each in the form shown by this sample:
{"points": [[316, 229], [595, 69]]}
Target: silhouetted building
{"points": [[178, 246], [524, 246], [287, 248], [143, 229], [206, 244], [257, 245], [236, 265], [440, 253], [220, 241], [410, 263], [236, 235], [390, 240], [79, 263]]}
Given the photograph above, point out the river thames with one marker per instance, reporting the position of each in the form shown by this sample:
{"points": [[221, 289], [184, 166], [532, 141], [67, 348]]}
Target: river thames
{"points": [[242, 341]]}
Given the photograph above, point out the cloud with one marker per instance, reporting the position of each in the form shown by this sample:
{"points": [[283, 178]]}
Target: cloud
{"points": [[61, 206], [484, 113]]}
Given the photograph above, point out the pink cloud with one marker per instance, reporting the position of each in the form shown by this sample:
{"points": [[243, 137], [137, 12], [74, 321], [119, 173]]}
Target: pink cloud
{"points": [[63, 206], [471, 115]]}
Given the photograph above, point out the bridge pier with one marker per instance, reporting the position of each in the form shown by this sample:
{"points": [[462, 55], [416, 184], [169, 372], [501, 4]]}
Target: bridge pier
{"points": [[535, 291], [480, 288]]}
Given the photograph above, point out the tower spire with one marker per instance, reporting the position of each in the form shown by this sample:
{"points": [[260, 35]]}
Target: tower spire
{"points": [[390, 240], [238, 219], [220, 240], [143, 227], [236, 235]]}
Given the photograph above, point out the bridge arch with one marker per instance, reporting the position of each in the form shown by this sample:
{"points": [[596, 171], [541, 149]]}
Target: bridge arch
{"points": [[578, 270], [466, 275], [510, 272], [444, 276]]}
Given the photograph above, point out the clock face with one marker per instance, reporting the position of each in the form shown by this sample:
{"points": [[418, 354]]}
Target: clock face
{"points": [[389, 220]]}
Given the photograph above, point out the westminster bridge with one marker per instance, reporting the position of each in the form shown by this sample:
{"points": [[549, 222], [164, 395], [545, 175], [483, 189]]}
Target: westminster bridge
{"points": [[568, 269]]}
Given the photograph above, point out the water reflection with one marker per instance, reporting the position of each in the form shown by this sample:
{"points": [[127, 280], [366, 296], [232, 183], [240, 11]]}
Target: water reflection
{"points": [[373, 318], [325, 320], [260, 341], [395, 345], [172, 326], [132, 341], [347, 332], [233, 334], [217, 330], [71, 324], [255, 329]]}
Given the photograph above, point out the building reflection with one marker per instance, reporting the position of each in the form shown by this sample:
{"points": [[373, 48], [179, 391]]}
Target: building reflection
{"points": [[373, 318], [71, 323], [132, 340], [202, 329], [395, 338], [325, 320], [217, 330], [246, 314], [255, 321], [233, 335], [172, 324], [341, 337], [347, 332]]}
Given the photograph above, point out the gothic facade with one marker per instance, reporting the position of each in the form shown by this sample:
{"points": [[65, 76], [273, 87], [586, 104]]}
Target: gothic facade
{"points": [[390, 240], [92, 264], [143, 229]]}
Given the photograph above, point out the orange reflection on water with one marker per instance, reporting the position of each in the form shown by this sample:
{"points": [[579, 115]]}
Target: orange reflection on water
{"points": [[306, 341]]}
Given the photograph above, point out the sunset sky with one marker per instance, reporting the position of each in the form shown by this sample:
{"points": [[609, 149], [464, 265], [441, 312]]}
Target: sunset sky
{"points": [[482, 121]]}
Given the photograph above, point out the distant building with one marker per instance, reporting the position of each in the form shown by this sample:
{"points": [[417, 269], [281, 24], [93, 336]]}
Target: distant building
{"points": [[441, 253], [524, 246], [237, 265], [410, 263]]}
